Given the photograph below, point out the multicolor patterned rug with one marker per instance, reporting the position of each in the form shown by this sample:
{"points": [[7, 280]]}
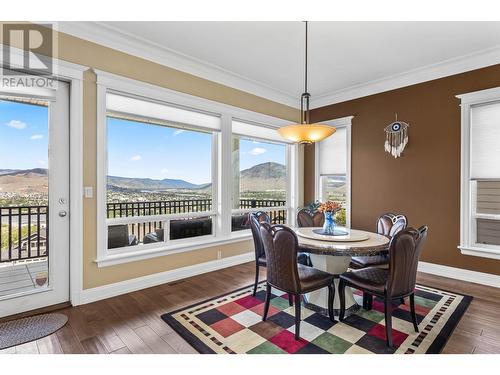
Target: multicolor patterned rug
{"points": [[233, 324]]}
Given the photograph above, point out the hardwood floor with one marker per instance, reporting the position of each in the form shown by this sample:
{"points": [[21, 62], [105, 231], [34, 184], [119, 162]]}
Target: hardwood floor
{"points": [[131, 323]]}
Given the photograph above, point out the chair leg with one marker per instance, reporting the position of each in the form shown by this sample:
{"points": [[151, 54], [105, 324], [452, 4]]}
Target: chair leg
{"points": [[290, 299], [413, 313], [388, 320], [266, 304], [297, 317], [342, 299], [331, 298], [256, 280], [369, 302]]}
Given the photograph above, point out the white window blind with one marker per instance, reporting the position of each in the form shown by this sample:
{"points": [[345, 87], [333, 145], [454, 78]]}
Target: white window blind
{"points": [[142, 110], [257, 131], [485, 141], [333, 153]]}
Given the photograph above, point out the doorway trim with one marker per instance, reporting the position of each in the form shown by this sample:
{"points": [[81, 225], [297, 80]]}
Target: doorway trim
{"points": [[73, 74]]}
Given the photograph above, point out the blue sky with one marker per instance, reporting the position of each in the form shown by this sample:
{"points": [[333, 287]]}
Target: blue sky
{"points": [[23, 136], [134, 149], [158, 152], [253, 153]]}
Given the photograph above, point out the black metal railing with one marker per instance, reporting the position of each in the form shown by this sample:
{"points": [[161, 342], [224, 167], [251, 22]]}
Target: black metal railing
{"points": [[151, 231], [24, 232]]}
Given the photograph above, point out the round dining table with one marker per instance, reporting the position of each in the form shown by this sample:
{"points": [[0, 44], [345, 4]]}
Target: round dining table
{"points": [[333, 255]]}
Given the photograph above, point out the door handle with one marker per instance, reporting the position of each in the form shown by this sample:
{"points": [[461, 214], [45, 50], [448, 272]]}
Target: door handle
{"points": [[63, 213]]}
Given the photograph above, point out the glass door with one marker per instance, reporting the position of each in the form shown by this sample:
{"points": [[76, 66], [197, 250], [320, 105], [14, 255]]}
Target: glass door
{"points": [[34, 200]]}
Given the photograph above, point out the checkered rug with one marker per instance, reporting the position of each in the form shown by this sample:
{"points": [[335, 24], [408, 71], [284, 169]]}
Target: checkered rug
{"points": [[233, 324]]}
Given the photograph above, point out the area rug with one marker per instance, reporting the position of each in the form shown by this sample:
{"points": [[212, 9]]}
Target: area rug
{"points": [[232, 323], [20, 331]]}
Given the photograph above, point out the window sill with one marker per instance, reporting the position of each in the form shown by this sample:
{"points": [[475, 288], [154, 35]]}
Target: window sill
{"points": [[478, 251], [125, 255]]}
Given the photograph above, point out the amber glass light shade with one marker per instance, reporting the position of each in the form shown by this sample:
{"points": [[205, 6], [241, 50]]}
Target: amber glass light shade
{"points": [[306, 133]]}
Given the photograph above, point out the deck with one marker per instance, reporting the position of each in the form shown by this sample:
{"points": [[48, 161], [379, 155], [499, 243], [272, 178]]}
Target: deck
{"points": [[22, 277]]}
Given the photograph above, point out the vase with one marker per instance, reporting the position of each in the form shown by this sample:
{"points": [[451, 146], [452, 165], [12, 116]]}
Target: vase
{"points": [[329, 225]]}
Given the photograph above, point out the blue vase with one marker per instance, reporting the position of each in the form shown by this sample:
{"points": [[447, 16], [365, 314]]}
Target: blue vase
{"points": [[329, 225]]}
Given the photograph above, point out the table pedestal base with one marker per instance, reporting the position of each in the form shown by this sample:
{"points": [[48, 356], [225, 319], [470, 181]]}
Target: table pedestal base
{"points": [[318, 300]]}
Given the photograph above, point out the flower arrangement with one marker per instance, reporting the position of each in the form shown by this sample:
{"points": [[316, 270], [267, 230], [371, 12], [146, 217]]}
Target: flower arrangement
{"points": [[329, 206]]}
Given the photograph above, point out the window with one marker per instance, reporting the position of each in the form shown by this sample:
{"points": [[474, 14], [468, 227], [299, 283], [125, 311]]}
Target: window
{"points": [[333, 161], [480, 195], [178, 173], [159, 172], [259, 174]]}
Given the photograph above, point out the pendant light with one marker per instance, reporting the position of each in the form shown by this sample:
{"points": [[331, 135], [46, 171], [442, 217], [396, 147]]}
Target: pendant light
{"points": [[305, 132]]}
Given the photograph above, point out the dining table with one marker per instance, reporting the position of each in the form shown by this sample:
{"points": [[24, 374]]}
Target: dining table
{"points": [[332, 253]]}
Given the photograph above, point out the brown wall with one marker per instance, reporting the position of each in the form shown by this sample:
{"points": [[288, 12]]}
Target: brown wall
{"points": [[425, 182]]}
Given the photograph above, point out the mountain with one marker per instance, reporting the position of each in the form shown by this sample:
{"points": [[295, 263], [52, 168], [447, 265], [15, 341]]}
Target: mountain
{"points": [[265, 176], [120, 183], [7, 171], [26, 181]]}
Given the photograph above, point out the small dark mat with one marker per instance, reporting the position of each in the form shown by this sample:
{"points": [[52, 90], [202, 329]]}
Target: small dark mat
{"points": [[24, 330]]}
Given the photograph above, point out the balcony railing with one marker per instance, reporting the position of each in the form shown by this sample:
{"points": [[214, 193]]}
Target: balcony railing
{"points": [[153, 231], [24, 233], [24, 230]]}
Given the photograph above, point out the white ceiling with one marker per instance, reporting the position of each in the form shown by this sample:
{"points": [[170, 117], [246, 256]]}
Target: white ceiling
{"points": [[346, 59]]}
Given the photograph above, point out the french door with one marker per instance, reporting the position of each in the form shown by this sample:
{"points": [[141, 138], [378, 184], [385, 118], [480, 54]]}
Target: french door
{"points": [[34, 200]]}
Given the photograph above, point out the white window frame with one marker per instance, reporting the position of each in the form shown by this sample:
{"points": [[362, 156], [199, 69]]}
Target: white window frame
{"points": [[221, 172], [343, 122], [290, 151], [468, 215]]}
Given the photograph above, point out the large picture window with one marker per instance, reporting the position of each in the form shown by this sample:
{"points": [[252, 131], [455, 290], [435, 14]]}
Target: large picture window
{"points": [[159, 173], [180, 173], [480, 234], [260, 174]]}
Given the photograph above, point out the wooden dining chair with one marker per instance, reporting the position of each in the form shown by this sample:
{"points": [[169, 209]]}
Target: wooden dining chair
{"points": [[310, 218], [388, 224], [396, 282], [285, 274], [260, 257]]}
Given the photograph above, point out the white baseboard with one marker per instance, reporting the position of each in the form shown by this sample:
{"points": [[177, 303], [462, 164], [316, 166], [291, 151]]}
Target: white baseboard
{"points": [[127, 286], [460, 274]]}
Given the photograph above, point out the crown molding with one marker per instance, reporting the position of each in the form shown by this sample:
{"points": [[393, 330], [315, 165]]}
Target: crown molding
{"points": [[442, 69], [111, 37], [106, 35]]}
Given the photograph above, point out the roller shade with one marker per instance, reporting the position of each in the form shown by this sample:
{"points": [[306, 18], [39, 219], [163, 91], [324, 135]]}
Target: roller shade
{"points": [[137, 109], [333, 153], [257, 131], [485, 141]]}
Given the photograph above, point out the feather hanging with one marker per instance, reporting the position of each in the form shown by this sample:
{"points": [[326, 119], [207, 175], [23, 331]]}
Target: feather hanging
{"points": [[396, 138]]}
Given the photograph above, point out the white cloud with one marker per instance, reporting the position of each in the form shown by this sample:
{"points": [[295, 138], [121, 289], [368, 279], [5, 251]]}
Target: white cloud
{"points": [[41, 163], [179, 131], [16, 124], [36, 136], [136, 158], [164, 171], [258, 151]]}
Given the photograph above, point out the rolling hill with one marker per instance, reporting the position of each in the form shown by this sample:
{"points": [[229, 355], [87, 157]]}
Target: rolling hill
{"points": [[26, 181], [265, 176]]}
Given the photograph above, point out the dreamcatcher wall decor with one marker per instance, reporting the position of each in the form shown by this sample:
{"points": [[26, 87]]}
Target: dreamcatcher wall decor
{"points": [[396, 137]]}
